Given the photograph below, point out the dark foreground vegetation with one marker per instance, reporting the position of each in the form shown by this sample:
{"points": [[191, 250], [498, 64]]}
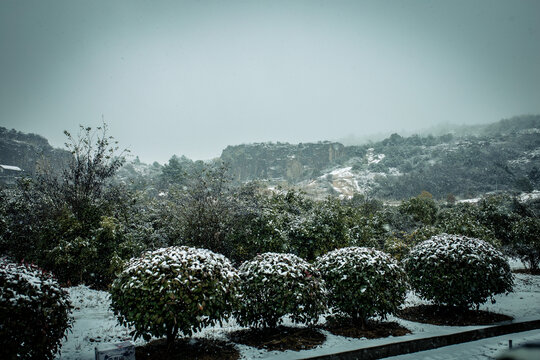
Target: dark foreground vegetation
{"points": [[81, 223], [204, 248]]}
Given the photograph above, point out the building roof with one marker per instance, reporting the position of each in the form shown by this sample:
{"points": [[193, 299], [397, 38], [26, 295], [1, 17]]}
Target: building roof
{"points": [[10, 167]]}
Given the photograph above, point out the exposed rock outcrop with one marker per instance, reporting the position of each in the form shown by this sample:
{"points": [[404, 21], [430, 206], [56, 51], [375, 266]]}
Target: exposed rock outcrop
{"points": [[282, 160]]}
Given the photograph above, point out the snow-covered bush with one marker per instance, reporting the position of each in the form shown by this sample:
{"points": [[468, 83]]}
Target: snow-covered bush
{"points": [[273, 285], [174, 289], [396, 247], [399, 246], [526, 241], [457, 270], [319, 230], [465, 219], [362, 282], [421, 234], [422, 208], [34, 312]]}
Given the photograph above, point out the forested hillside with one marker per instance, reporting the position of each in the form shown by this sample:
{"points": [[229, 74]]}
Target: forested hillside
{"points": [[464, 163], [27, 151], [500, 156], [467, 162]]}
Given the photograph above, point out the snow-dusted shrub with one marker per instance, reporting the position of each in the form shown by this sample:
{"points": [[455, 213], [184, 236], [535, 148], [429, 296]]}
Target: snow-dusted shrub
{"points": [[362, 282], [396, 247], [465, 219], [422, 208], [273, 285], [34, 312], [421, 234], [400, 246], [457, 270], [526, 241], [319, 230], [175, 289]]}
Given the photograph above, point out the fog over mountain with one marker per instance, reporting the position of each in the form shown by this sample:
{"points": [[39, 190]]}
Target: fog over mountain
{"points": [[190, 77]]}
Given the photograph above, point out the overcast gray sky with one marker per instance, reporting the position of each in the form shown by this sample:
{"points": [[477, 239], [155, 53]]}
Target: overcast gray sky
{"points": [[189, 78]]}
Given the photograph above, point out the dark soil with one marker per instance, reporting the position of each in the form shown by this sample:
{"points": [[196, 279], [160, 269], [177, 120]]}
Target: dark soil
{"points": [[372, 329], [201, 349], [444, 315], [527, 271], [281, 338]]}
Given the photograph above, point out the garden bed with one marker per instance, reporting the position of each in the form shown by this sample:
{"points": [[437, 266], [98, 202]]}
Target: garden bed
{"points": [[449, 316], [371, 330], [280, 339], [187, 349], [526, 271]]}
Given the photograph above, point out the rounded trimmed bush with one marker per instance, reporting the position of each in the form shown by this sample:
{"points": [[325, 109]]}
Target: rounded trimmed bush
{"points": [[457, 270], [273, 285], [174, 289], [34, 312], [363, 282]]}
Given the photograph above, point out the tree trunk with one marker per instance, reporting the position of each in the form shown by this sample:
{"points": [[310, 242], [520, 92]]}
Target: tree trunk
{"points": [[171, 336]]}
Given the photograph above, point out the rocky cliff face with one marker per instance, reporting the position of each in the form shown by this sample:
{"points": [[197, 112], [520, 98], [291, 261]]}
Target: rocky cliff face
{"points": [[282, 160], [28, 150]]}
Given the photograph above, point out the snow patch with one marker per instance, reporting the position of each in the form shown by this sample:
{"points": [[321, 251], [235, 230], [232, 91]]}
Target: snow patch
{"points": [[529, 196], [470, 201], [373, 158]]}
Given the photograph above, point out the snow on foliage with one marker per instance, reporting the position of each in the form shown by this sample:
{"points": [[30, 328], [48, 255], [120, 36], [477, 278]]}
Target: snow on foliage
{"points": [[463, 219], [174, 289], [525, 244], [458, 270], [273, 285], [363, 282], [373, 158], [34, 312]]}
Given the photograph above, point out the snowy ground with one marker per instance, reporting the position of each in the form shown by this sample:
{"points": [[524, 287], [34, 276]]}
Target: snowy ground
{"points": [[95, 324]]}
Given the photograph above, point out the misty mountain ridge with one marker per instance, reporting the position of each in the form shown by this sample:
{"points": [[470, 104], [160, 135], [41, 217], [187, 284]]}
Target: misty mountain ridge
{"points": [[471, 160], [465, 162], [506, 125]]}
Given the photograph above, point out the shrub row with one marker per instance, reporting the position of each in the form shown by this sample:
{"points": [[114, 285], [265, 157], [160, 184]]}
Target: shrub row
{"points": [[86, 245], [184, 289]]}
